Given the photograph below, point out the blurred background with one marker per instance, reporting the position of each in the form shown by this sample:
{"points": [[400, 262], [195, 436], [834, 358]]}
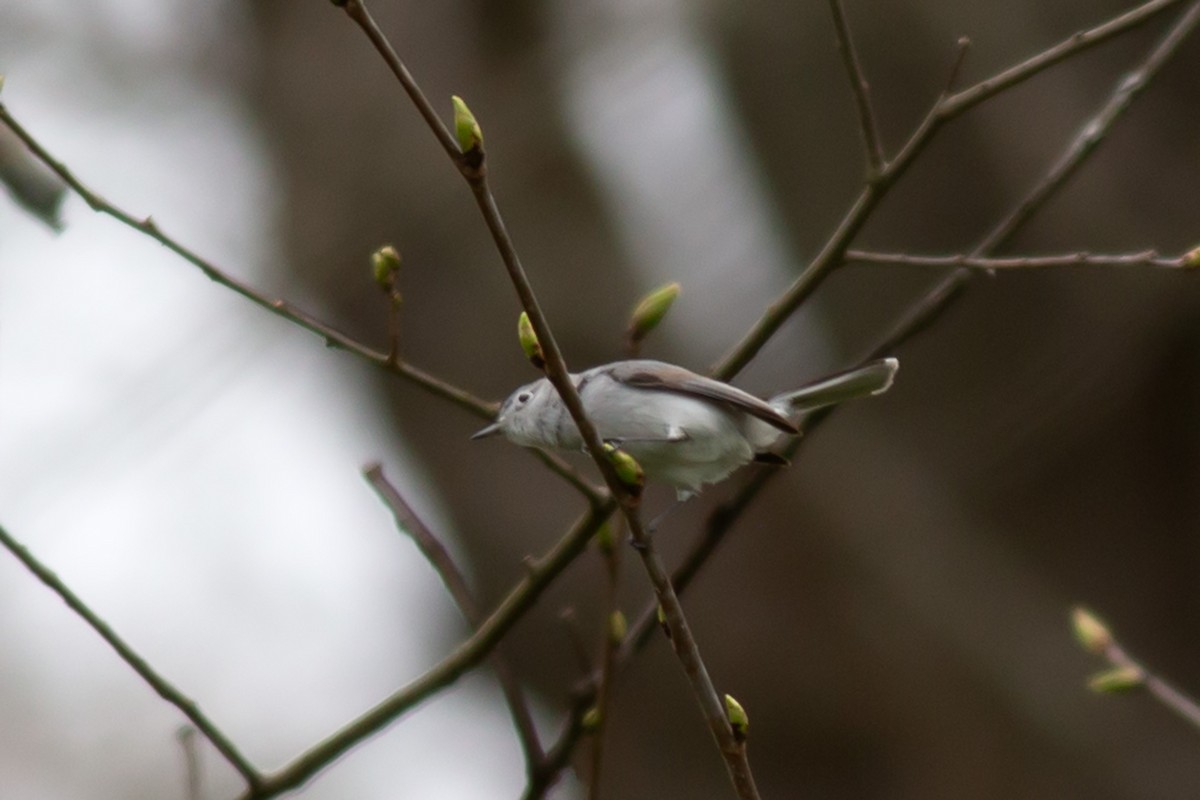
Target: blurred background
{"points": [[892, 612]]}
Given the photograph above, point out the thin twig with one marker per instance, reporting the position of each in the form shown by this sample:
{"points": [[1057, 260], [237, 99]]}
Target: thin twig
{"points": [[1143, 259], [862, 90], [1171, 698], [941, 296], [277, 306], [1127, 673], [609, 645], [193, 782], [922, 314], [408, 521], [539, 574], [473, 170], [165, 689], [944, 109], [989, 87], [282, 308]]}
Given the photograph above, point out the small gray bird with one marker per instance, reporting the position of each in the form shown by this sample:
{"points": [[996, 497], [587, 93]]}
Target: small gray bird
{"points": [[684, 429]]}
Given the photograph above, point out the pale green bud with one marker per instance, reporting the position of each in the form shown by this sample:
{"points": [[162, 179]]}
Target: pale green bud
{"points": [[591, 719], [1117, 680], [1090, 631], [529, 341], [627, 467], [385, 262], [738, 719], [650, 311], [618, 628], [466, 129]]}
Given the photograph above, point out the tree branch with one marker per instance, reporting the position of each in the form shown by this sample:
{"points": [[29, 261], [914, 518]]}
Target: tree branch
{"points": [[946, 108], [923, 313], [1145, 259], [1127, 673], [473, 169], [941, 296], [862, 91], [165, 689], [440, 559], [469, 654]]}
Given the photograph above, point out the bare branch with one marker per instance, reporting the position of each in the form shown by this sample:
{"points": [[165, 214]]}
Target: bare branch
{"points": [[862, 90], [926, 311], [942, 111], [922, 314], [1128, 673], [471, 166], [1082, 40], [466, 656], [442, 562], [193, 779], [1146, 259], [279, 307], [165, 689]]}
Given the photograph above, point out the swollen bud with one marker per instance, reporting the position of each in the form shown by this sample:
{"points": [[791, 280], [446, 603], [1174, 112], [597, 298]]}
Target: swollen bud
{"points": [[1190, 259], [466, 129], [1090, 631], [627, 467], [1117, 680], [591, 719], [650, 311], [604, 539], [529, 341], [618, 628], [661, 616], [385, 262], [738, 719]]}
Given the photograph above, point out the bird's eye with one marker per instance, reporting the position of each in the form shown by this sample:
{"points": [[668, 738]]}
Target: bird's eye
{"points": [[523, 397]]}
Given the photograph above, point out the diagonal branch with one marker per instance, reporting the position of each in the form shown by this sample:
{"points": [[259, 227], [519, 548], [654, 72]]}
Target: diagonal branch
{"points": [[282, 308], [165, 689], [861, 89], [1146, 259], [540, 573], [473, 169], [944, 109], [440, 559], [922, 314], [941, 296], [277, 306], [976, 93]]}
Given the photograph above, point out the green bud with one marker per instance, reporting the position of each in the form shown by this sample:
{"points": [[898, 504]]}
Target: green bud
{"points": [[1090, 631], [661, 616], [466, 129], [591, 719], [627, 467], [618, 628], [385, 262], [529, 341], [650, 311], [1191, 258], [738, 719], [1117, 680], [604, 539]]}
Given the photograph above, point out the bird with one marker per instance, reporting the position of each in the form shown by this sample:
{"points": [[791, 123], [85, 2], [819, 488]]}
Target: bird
{"points": [[684, 429]]}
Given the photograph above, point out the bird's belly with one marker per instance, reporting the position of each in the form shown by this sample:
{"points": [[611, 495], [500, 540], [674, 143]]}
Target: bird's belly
{"points": [[681, 441]]}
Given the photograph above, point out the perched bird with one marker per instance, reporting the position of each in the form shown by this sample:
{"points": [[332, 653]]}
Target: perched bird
{"points": [[684, 429]]}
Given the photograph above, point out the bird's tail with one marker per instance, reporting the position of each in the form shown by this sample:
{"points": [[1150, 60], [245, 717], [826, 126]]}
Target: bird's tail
{"points": [[874, 377]]}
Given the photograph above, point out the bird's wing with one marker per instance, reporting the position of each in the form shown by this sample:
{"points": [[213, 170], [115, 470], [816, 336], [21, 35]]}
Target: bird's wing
{"points": [[670, 378]]}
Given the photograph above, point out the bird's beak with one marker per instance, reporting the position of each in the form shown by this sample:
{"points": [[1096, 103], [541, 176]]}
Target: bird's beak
{"points": [[490, 430]]}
